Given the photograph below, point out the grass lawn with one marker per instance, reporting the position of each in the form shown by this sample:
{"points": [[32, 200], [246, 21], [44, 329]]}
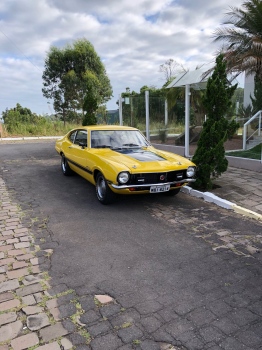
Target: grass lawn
{"points": [[253, 153]]}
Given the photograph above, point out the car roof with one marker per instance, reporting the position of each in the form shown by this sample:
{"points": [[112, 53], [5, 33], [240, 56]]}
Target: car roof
{"points": [[105, 127]]}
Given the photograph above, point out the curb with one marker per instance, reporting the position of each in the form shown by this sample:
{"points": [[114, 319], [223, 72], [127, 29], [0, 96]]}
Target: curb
{"points": [[212, 198], [29, 138], [247, 212]]}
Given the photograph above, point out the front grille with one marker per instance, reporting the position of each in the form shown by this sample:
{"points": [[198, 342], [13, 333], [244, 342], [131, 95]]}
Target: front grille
{"points": [[155, 178]]}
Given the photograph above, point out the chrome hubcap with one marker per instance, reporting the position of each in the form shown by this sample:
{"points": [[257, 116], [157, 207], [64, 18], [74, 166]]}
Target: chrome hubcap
{"points": [[101, 188], [63, 164]]}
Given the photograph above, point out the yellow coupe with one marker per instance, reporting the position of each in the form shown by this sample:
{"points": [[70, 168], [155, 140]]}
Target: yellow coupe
{"points": [[119, 159]]}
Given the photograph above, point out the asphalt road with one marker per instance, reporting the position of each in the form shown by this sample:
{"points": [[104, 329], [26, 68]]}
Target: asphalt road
{"points": [[156, 255]]}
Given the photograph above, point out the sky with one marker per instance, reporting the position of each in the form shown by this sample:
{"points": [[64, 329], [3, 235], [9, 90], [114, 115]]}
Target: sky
{"points": [[132, 39]]}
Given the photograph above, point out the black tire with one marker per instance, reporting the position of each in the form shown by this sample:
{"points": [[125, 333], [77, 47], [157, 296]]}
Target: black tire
{"points": [[65, 166], [103, 192], [172, 193]]}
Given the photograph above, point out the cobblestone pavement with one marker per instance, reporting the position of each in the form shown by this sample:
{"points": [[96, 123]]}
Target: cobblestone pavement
{"points": [[242, 187], [219, 307], [33, 315], [29, 317]]}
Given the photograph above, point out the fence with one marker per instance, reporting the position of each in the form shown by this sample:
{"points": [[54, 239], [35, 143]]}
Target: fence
{"points": [[152, 116], [252, 131]]}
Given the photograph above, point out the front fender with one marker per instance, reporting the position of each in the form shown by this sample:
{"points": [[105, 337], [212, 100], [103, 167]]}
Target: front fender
{"points": [[110, 170]]}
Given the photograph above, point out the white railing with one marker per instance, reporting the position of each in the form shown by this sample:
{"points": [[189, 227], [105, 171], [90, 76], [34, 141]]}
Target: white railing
{"points": [[245, 138]]}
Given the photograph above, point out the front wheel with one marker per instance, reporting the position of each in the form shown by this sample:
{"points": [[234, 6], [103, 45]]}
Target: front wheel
{"points": [[103, 192], [65, 166], [172, 193]]}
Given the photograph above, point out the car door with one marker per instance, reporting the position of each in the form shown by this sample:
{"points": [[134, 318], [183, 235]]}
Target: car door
{"points": [[79, 151], [67, 146]]}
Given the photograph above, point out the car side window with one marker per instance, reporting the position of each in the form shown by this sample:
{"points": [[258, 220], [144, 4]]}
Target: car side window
{"points": [[72, 136], [81, 137]]}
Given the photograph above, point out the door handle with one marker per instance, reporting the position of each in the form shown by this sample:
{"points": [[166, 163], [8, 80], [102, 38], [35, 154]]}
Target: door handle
{"points": [[70, 146]]}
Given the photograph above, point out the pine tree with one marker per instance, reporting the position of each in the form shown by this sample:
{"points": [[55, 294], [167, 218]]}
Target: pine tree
{"points": [[210, 153]]}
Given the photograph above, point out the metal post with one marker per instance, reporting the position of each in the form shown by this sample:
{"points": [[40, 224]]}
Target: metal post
{"points": [[147, 114], [259, 133], [245, 136], [132, 112], [166, 113], [187, 118], [259, 124], [120, 110], [237, 107]]}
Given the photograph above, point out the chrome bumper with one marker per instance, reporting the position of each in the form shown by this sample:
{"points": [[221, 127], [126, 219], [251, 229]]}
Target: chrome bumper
{"points": [[122, 187]]}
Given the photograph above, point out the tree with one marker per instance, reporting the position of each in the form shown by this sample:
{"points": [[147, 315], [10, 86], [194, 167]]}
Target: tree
{"points": [[134, 110], [210, 153], [18, 116], [246, 112], [101, 114], [73, 72], [176, 96], [242, 38], [90, 106], [170, 69]]}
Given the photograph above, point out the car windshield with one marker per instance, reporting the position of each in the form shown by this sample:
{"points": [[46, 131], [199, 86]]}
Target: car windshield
{"points": [[117, 139]]}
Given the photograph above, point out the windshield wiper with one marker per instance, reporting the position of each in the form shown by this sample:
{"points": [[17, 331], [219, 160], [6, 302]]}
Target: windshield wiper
{"points": [[116, 148], [131, 145], [103, 146]]}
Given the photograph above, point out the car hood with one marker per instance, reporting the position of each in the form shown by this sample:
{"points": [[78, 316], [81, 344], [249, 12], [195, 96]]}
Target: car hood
{"points": [[147, 160]]}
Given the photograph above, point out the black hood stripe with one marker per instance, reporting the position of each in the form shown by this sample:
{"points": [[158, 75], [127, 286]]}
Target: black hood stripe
{"points": [[141, 155]]}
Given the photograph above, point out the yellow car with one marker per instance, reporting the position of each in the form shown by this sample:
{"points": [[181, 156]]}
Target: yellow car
{"points": [[120, 160]]}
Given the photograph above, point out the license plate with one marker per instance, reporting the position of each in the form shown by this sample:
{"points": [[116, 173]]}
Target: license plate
{"points": [[160, 188]]}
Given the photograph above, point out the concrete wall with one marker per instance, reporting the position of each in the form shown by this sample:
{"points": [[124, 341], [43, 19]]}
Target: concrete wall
{"points": [[170, 148], [245, 163]]}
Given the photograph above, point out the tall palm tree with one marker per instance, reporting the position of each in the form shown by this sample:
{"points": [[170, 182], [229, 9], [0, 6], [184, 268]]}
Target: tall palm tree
{"points": [[242, 38]]}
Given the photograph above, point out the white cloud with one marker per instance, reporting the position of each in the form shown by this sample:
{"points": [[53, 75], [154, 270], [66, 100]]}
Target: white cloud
{"points": [[132, 38]]}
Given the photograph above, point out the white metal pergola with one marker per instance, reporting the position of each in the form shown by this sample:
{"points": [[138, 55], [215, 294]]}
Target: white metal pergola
{"points": [[197, 80]]}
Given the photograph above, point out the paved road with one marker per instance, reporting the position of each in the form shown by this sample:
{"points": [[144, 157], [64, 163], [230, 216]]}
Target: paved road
{"points": [[181, 272]]}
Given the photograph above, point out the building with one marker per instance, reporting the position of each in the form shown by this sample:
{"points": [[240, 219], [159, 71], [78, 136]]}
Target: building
{"points": [[248, 89]]}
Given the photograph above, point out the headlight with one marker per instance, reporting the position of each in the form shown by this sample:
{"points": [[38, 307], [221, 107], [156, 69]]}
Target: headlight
{"points": [[123, 177], [191, 170]]}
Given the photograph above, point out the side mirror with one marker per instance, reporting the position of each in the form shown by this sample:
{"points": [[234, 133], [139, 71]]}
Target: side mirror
{"points": [[82, 145]]}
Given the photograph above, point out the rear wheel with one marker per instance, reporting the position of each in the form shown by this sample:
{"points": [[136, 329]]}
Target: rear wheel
{"points": [[172, 193], [65, 166], [103, 192]]}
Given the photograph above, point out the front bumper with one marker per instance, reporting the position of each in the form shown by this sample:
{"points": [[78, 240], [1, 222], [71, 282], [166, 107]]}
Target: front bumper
{"points": [[123, 187]]}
